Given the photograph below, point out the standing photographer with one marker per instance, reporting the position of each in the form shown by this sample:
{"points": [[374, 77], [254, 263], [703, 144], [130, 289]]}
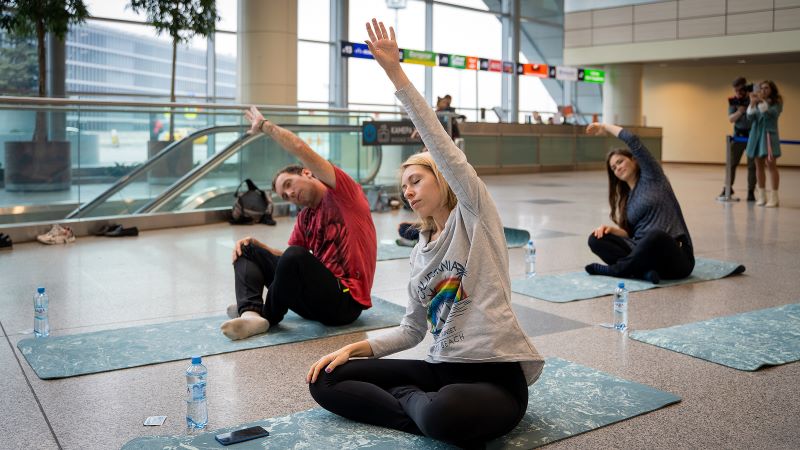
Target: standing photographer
{"points": [[737, 115]]}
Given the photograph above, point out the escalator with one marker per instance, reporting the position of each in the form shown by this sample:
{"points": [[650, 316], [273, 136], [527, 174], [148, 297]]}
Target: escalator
{"points": [[182, 178]]}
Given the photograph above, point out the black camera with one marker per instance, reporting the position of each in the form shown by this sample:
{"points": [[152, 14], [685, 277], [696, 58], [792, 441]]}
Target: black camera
{"points": [[744, 101]]}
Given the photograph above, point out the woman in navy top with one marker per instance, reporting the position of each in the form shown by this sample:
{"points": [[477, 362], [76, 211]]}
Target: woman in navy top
{"points": [[650, 240]]}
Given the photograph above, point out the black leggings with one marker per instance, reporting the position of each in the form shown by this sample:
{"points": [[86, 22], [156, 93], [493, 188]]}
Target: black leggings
{"points": [[465, 404], [296, 280], [671, 258]]}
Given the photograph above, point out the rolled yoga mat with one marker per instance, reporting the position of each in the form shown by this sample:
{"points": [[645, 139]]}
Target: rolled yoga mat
{"points": [[567, 287], [568, 399], [102, 351], [391, 250], [747, 341]]}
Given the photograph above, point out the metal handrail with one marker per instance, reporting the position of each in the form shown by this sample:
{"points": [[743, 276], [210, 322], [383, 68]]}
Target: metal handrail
{"points": [[219, 158], [198, 172], [126, 179], [195, 174], [51, 101]]}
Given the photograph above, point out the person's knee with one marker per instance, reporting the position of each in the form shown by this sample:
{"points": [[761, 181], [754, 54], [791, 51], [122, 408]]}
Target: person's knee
{"points": [[593, 242], [320, 389], [292, 257]]}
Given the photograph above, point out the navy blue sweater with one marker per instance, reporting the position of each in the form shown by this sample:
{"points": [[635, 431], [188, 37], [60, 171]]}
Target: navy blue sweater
{"points": [[652, 204]]}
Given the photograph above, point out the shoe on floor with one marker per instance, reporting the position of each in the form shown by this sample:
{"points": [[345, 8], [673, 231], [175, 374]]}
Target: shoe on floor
{"points": [[751, 196], [722, 194], [5, 241], [105, 229], [57, 235], [120, 231]]}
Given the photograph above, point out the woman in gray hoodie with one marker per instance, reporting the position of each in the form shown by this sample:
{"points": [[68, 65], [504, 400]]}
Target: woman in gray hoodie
{"points": [[473, 385]]}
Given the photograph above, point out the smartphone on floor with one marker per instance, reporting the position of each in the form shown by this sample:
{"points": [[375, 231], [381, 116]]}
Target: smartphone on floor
{"points": [[242, 435]]}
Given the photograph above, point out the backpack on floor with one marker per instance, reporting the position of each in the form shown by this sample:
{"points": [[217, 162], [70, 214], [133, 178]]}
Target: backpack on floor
{"points": [[251, 206]]}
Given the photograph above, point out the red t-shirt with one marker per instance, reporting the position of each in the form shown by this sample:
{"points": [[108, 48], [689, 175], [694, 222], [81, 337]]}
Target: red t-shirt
{"points": [[340, 233]]}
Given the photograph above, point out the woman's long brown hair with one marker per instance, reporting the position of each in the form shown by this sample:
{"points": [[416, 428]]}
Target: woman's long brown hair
{"points": [[619, 191]]}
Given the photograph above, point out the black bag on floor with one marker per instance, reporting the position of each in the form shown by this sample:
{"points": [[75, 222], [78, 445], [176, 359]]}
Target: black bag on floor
{"points": [[252, 206]]}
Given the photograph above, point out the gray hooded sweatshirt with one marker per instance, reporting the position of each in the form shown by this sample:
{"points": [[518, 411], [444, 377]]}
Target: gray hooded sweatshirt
{"points": [[460, 290]]}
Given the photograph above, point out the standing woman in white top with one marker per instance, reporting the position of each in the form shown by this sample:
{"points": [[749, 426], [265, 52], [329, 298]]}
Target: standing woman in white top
{"points": [[473, 385]]}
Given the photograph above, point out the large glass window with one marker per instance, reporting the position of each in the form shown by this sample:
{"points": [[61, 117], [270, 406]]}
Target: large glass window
{"points": [[409, 22], [313, 20], [313, 66], [477, 34]]}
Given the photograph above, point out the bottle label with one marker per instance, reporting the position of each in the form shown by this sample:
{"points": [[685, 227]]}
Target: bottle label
{"points": [[196, 391]]}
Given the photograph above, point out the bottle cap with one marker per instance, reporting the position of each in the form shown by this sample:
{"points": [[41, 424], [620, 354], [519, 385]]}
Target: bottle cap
{"points": [[621, 285], [196, 360], [40, 290]]}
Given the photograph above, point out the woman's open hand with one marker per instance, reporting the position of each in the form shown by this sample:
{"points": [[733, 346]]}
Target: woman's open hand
{"points": [[328, 363]]}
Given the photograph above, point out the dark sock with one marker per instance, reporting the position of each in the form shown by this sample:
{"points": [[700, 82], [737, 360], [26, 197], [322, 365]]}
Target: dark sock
{"points": [[652, 276], [598, 269]]}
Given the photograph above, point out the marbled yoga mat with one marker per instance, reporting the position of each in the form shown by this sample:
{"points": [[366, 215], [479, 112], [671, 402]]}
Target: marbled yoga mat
{"points": [[389, 250], [567, 287], [101, 351], [568, 399], [747, 341]]}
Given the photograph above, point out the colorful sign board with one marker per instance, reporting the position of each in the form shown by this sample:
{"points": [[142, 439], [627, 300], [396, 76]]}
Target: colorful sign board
{"points": [[591, 75], [419, 57], [426, 58]]}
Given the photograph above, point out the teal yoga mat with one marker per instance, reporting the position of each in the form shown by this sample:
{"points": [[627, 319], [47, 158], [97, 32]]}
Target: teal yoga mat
{"points": [[568, 399], [102, 351], [747, 341], [390, 250], [567, 287]]}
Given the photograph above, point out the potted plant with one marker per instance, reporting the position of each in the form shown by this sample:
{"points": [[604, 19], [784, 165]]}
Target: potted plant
{"points": [[39, 164], [181, 20]]}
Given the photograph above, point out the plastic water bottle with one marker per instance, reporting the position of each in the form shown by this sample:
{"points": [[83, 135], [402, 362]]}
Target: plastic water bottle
{"points": [[530, 259], [41, 324], [621, 307], [196, 405]]}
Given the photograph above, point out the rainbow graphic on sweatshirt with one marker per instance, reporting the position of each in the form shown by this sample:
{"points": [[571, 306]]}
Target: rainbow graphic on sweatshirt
{"points": [[448, 292]]}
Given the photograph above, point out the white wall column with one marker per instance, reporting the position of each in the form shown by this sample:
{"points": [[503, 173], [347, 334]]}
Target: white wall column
{"points": [[267, 52], [622, 94]]}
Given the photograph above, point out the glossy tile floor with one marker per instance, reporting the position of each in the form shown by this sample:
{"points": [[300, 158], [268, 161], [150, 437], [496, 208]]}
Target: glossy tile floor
{"points": [[167, 275]]}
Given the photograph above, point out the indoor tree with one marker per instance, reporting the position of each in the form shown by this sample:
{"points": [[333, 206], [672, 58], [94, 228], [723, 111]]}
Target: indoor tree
{"points": [[181, 20]]}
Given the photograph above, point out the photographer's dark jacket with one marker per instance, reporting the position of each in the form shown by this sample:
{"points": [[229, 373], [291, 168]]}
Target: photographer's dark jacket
{"points": [[742, 125]]}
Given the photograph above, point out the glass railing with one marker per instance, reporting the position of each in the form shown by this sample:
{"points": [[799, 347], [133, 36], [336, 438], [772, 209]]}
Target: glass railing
{"points": [[94, 146]]}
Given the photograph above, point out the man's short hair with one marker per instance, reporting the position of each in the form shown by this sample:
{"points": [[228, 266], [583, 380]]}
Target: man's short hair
{"points": [[292, 169], [739, 81]]}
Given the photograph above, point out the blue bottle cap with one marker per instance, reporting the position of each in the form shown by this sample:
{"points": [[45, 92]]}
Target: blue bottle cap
{"points": [[621, 285], [40, 290], [196, 360]]}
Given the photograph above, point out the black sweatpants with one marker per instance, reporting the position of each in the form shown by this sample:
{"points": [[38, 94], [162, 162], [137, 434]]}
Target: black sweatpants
{"points": [[296, 280], [672, 259], [465, 404]]}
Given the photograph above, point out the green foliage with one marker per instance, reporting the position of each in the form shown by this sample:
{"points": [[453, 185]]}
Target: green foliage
{"points": [[18, 67], [23, 18], [180, 19]]}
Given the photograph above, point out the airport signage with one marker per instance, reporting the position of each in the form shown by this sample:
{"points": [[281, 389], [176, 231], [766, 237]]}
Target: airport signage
{"points": [[432, 59], [388, 133]]}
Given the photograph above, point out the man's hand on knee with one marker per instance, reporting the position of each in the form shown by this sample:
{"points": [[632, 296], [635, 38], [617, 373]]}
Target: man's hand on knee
{"points": [[240, 244]]}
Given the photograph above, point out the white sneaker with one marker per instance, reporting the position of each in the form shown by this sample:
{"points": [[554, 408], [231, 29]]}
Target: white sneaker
{"points": [[57, 235]]}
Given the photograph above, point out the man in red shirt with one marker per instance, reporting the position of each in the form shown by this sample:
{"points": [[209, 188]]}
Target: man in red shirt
{"points": [[326, 273]]}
